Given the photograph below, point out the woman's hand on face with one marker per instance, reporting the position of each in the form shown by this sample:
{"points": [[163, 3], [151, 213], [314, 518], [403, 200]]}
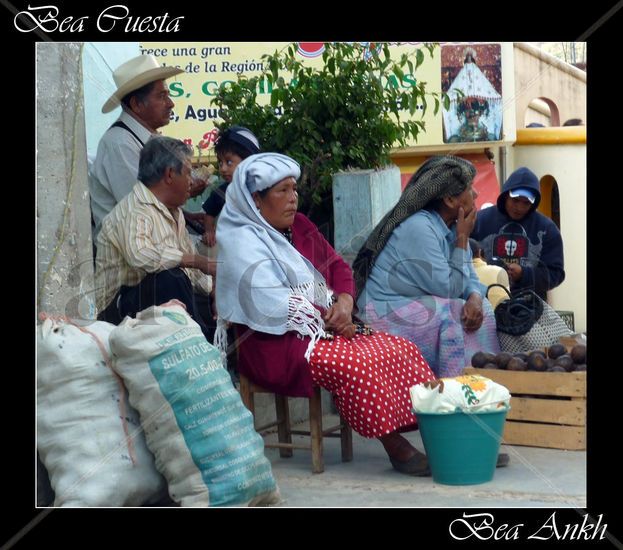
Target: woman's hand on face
{"points": [[472, 314], [465, 224], [339, 316]]}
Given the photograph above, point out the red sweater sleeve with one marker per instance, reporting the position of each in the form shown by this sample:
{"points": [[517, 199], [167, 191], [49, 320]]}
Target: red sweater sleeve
{"points": [[313, 246]]}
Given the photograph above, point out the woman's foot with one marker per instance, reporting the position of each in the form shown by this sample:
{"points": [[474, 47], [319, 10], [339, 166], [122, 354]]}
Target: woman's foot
{"points": [[417, 465], [404, 457]]}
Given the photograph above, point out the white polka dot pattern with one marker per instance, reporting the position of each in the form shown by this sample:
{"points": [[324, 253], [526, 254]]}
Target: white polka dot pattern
{"points": [[369, 378]]}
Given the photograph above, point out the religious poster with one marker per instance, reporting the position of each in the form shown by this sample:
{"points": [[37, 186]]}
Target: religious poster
{"points": [[471, 75]]}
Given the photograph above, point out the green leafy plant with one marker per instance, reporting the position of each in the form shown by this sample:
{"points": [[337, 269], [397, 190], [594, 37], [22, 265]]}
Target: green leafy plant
{"points": [[347, 114]]}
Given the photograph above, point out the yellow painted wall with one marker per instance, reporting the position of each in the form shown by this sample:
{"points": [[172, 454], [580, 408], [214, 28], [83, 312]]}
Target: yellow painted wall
{"points": [[566, 164]]}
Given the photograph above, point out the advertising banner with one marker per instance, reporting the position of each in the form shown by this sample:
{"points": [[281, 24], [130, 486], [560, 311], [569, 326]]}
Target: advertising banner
{"points": [[211, 66]]}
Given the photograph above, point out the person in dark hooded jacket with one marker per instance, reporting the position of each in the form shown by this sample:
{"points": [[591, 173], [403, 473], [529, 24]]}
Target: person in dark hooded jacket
{"points": [[528, 242]]}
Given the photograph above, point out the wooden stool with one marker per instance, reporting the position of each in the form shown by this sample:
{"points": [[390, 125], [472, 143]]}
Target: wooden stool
{"points": [[284, 431]]}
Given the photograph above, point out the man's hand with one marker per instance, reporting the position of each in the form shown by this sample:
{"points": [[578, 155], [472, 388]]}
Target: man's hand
{"points": [[514, 272], [197, 187], [198, 261], [209, 235]]}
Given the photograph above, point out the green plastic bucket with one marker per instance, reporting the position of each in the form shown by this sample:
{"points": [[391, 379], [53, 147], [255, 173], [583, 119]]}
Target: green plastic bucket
{"points": [[462, 448]]}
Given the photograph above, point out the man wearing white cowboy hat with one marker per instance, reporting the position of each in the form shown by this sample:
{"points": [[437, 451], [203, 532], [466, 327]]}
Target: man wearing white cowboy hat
{"points": [[146, 106]]}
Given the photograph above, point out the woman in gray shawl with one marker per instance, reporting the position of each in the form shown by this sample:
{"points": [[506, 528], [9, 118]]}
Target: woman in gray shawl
{"points": [[290, 297], [415, 276]]}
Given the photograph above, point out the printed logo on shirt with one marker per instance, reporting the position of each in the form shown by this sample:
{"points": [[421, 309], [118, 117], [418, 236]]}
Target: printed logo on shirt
{"points": [[511, 246], [511, 243]]}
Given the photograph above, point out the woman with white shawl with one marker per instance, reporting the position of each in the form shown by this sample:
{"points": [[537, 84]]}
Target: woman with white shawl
{"points": [[290, 297]]}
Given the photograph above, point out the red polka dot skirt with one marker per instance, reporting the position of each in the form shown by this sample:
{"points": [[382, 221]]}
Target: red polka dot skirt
{"points": [[369, 378]]}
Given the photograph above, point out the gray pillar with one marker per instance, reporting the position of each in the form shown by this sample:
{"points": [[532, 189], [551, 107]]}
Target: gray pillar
{"points": [[360, 200], [63, 218], [64, 249]]}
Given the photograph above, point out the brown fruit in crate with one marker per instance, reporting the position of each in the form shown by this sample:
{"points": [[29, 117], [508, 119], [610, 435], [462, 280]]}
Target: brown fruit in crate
{"points": [[536, 361], [540, 352], [521, 355], [581, 367], [490, 357], [491, 366], [578, 354], [556, 368], [565, 362], [516, 364], [556, 350], [549, 363], [502, 359], [479, 360]]}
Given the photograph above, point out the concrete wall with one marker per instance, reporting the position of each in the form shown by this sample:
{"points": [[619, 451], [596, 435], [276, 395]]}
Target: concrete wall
{"points": [[63, 222], [99, 60], [541, 75]]}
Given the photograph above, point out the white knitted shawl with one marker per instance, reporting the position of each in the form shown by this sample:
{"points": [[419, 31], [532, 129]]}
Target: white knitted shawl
{"points": [[262, 281]]}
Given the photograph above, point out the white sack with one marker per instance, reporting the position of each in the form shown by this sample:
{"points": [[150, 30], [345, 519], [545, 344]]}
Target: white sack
{"points": [[194, 420], [81, 435]]}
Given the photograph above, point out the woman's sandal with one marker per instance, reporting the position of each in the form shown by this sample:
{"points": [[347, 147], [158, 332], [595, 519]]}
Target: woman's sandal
{"points": [[417, 465]]}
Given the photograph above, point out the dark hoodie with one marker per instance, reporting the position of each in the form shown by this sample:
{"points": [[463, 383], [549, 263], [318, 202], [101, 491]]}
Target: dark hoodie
{"points": [[534, 242]]}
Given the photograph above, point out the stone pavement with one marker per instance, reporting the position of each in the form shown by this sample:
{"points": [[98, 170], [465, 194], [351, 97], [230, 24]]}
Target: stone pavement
{"points": [[535, 478]]}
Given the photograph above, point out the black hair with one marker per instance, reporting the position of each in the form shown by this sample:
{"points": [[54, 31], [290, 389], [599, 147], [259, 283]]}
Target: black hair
{"points": [[574, 122], [140, 94], [229, 141], [223, 146]]}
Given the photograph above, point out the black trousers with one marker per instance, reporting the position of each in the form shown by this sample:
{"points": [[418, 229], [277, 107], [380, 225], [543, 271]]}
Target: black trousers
{"points": [[156, 289]]}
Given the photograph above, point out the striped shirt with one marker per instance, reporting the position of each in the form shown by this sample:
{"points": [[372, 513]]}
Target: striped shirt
{"points": [[141, 236]]}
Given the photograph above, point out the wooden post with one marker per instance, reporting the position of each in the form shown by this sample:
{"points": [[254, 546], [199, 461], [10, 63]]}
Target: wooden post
{"points": [[315, 428]]}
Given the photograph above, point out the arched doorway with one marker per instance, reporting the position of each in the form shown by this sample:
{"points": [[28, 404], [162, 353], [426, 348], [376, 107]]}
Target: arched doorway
{"points": [[550, 199], [542, 110]]}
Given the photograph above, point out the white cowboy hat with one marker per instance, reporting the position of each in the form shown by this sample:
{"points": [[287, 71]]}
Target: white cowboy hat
{"points": [[134, 74]]}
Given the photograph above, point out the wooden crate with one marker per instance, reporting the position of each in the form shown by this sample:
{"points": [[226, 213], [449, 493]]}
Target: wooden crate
{"points": [[548, 409]]}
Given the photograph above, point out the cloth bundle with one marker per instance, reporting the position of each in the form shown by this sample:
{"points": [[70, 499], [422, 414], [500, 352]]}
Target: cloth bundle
{"points": [[467, 393]]}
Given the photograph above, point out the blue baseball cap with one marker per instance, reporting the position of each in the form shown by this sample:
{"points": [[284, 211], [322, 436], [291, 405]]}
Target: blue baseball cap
{"points": [[523, 192]]}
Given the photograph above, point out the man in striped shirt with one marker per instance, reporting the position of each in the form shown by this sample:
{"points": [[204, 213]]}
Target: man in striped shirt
{"points": [[145, 255]]}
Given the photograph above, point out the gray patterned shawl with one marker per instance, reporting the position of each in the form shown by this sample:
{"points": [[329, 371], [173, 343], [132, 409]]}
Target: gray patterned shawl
{"points": [[438, 177]]}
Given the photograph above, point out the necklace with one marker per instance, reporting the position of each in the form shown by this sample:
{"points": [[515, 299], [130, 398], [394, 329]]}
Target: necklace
{"points": [[288, 234]]}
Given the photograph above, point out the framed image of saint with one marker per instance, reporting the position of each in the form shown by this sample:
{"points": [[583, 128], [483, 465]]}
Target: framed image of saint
{"points": [[472, 77]]}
